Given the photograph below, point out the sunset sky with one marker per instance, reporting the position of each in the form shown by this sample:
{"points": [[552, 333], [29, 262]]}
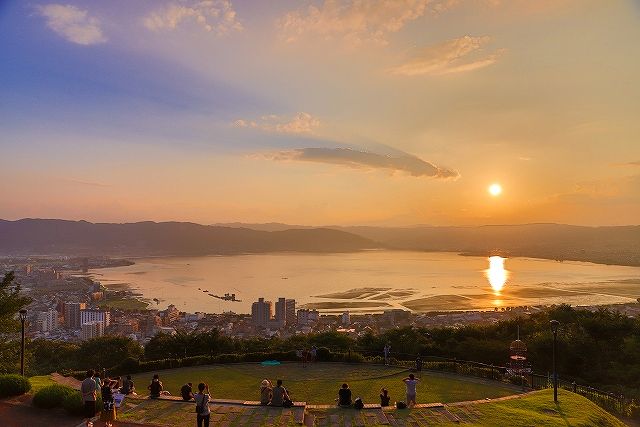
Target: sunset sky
{"points": [[321, 112]]}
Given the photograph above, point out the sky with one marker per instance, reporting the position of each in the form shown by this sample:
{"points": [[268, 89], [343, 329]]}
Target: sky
{"points": [[327, 112]]}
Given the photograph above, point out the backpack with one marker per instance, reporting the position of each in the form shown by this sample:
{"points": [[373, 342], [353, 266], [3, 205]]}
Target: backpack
{"points": [[358, 403], [200, 408], [401, 405]]}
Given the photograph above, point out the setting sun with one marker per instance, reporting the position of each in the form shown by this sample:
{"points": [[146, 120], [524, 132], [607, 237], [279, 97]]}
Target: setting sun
{"points": [[495, 189]]}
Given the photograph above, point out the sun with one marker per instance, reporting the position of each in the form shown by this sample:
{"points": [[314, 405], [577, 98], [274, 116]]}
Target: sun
{"points": [[495, 189]]}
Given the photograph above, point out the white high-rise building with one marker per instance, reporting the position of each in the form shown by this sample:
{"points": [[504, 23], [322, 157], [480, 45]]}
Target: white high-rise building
{"points": [[261, 312], [346, 319], [92, 330], [87, 316], [47, 321], [307, 317]]}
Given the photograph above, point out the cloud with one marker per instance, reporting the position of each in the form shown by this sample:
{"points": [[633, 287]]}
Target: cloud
{"points": [[452, 56], [216, 16], [402, 162], [356, 21], [636, 163], [300, 123], [72, 23]]}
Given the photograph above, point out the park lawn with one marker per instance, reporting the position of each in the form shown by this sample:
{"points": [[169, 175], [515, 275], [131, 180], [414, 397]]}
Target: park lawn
{"points": [[39, 382], [319, 383], [538, 409], [123, 303]]}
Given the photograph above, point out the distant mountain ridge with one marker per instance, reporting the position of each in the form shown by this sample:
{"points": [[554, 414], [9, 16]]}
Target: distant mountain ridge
{"points": [[62, 237], [606, 244]]}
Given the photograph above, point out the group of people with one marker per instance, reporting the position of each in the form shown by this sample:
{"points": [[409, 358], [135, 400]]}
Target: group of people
{"points": [[274, 396], [107, 387], [345, 397]]}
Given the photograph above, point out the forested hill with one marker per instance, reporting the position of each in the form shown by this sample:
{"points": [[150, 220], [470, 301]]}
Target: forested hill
{"points": [[60, 237], [606, 245]]}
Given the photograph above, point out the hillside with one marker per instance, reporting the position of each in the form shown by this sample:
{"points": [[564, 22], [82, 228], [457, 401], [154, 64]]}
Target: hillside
{"points": [[60, 237], [605, 245]]}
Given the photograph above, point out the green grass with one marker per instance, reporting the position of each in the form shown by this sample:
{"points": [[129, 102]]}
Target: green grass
{"points": [[39, 382], [319, 383], [123, 303], [537, 409]]}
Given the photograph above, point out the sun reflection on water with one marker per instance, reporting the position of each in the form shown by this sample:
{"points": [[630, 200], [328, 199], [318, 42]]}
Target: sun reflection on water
{"points": [[497, 274]]}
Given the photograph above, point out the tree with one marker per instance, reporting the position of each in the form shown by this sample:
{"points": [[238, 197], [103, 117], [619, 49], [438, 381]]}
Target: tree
{"points": [[107, 352], [11, 301]]}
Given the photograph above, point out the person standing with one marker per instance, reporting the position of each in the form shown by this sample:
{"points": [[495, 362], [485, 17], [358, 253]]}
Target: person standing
{"points": [[314, 353], [88, 390], [98, 380], [202, 398], [418, 363], [386, 350], [108, 414], [411, 382]]}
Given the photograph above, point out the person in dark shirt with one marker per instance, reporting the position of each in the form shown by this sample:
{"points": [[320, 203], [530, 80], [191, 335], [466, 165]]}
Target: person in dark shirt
{"points": [[155, 388], [384, 397], [128, 386], [344, 395], [418, 363], [187, 392]]}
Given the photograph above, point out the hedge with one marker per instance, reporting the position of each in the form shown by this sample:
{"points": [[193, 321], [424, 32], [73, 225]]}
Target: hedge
{"points": [[72, 403], [13, 385], [52, 396]]}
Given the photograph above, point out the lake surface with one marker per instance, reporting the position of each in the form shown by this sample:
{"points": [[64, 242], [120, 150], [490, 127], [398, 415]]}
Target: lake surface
{"points": [[372, 281]]}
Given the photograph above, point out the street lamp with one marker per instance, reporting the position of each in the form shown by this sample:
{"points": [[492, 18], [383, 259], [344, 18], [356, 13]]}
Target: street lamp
{"points": [[23, 317], [554, 329]]}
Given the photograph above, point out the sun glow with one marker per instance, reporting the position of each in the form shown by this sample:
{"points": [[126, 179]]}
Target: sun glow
{"points": [[495, 189], [497, 274]]}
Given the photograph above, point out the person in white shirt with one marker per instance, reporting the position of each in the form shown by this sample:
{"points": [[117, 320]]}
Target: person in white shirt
{"points": [[411, 381], [202, 399]]}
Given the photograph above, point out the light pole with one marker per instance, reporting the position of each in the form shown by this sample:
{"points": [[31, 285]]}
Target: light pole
{"points": [[23, 317], [554, 329]]}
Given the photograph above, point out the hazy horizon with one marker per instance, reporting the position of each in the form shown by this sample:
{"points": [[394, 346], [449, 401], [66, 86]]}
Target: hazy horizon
{"points": [[321, 112]]}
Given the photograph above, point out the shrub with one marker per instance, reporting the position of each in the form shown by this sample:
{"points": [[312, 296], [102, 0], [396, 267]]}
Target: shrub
{"points": [[13, 385], [52, 396], [323, 354], [353, 357], [72, 403]]}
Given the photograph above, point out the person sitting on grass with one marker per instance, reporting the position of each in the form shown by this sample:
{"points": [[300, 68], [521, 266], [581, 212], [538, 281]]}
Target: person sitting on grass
{"points": [[187, 392], [279, 395], [156, 389], [384, 397], [265, 392], [128, 387], [344, 395]]}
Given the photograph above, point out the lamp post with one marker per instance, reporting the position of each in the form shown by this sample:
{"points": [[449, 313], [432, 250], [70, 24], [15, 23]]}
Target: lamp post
{"points": [[554, 329], [23, 317]]}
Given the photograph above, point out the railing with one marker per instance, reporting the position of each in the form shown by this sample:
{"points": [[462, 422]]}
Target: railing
{"points": [[612, 402]]}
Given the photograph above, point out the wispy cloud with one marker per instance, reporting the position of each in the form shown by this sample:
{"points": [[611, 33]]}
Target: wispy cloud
{"points": [[72, 23], [452, 56], [300, 123], [636, 163], [355, 21], [217, 16], [348, 157]]}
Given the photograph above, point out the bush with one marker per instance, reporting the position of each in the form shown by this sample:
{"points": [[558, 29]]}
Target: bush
{"points": [[353, 357], [13, 385], [323, 354], [52, 396], [72, 403]]}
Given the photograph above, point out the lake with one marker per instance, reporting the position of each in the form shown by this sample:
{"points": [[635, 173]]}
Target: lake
{"points": [[372, 281]]}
